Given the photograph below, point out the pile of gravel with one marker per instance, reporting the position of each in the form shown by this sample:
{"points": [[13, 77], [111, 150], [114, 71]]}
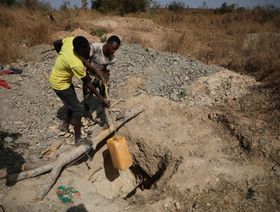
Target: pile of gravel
{"points": [[164, 74], [28, 111]]}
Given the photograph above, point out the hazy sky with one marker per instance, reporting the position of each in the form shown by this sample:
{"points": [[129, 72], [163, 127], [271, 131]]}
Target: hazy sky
{"points": [[194, 3]]}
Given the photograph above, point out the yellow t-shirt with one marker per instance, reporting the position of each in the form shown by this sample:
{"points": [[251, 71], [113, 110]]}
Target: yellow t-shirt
{"points": [[66, 66]]}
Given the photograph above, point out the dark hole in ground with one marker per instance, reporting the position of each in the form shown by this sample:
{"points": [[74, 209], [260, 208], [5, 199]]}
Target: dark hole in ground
{"points": [[77, 208], [146, 181], [250, 193], [244, 143]]}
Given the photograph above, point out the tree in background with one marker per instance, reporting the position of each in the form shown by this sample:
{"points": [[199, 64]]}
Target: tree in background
{"points": [[65, 5], [105, 5], [154, 5], [176, 6], [84, 4], [95, 4], [122, 6], [204, 5], [226, 8], [8, 2], [32, 4], [129, 6]]}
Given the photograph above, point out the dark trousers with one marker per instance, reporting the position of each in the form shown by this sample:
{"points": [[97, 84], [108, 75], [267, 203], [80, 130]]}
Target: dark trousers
{"points": [[97, 83], [75, 108]]}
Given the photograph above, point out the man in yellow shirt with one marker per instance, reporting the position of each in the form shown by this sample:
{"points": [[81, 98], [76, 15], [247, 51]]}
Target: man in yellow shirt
{"points": [[72, 61]]}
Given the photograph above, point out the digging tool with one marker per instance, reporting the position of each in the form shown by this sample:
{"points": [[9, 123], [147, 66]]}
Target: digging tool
{"points": [[109, 109], [49, 50]]}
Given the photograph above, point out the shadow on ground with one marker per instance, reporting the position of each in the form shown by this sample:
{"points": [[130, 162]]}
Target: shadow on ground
{"points": [[77, 208], [92, 104], [10, 160], [110, 171]]}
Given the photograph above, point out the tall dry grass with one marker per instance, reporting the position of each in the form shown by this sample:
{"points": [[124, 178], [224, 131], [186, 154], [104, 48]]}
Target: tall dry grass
{"points": [[71, 19], [21, 28], [246, 41]]}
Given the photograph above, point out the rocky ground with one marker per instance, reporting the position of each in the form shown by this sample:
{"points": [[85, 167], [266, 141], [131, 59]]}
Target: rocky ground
{"points": [[207, 141]]}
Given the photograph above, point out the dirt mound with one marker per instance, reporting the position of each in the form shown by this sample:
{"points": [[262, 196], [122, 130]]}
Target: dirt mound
{"points": [[180, 155], [219, 88], [129, 29], [76, 32]]}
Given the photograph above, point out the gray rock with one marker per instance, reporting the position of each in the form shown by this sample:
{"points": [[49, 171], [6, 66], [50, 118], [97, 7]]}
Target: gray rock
{"points": [[8, 139]]}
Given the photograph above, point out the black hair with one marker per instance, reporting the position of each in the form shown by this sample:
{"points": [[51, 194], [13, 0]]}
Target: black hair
{"points": [[114, 39], [80, 43]]}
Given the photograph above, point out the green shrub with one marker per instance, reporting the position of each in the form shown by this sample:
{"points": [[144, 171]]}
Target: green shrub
{"points": [[99, 32], [121, 6], [103, 39], [226, 8], [8, 2], [176, 6], [32, 4]]}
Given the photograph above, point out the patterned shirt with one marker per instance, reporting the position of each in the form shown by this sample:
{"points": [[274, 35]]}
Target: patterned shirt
{"points": [[99, 59]]}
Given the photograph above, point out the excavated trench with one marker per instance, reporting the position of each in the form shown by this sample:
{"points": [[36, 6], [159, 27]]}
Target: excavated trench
{"points": [[152, 168], [233, 128], [166, 167]]}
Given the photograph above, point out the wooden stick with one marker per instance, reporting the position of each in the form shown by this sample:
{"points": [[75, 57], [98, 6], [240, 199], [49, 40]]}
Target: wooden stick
{"points": [[109, 109], [116, 102], [68, 157], [52, 148]]}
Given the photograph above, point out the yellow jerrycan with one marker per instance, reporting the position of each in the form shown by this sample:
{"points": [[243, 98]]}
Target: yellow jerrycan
{"points": [[119, 152]]}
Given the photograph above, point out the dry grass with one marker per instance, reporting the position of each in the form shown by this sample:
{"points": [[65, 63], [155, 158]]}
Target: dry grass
{"points": [[136, 40], [21, 28], [246, 41], [71, 19]]}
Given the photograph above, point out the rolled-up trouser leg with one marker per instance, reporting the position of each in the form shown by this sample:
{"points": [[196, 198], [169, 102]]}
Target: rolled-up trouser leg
{"points": [[97, 83], [70, 100]]}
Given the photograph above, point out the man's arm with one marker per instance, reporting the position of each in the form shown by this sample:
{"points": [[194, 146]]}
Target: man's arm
{"points": [[94, 70], [57, 45], [92, 89]]}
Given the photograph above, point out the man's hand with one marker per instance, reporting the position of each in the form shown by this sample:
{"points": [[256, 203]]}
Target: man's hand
{"points": [[106, 76], [106, 102], [102, 76]]}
